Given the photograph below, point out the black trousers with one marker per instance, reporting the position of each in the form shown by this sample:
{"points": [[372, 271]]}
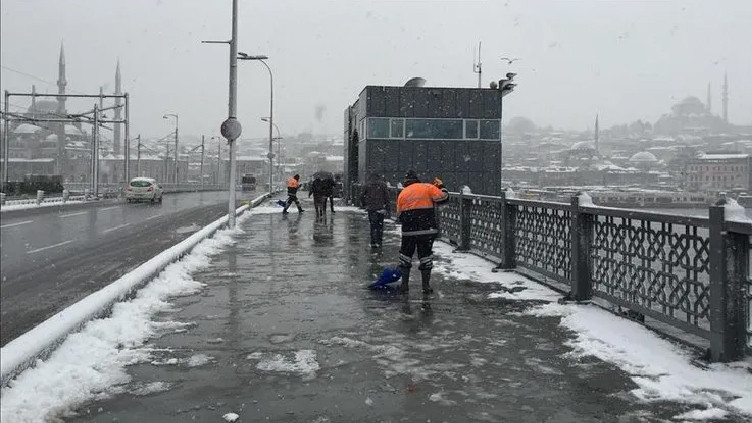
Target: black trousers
{"points": [[424, 245], [376, 220], [292, 199]]}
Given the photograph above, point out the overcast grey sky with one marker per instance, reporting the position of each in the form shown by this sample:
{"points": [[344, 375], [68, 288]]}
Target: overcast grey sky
{"points": [[625, 60]]}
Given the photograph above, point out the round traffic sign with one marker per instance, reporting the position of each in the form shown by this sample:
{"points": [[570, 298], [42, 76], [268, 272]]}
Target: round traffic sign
{"points": [[231, 129]]}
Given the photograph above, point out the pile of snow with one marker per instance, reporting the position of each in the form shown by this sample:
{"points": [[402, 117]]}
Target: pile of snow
{"points": [[93, 361], [734, 211], [663, 371]]}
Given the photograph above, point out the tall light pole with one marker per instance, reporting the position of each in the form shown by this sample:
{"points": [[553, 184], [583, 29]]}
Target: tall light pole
{"points": [[177, 127], [278, 138], [270, 155], [231, 128]]}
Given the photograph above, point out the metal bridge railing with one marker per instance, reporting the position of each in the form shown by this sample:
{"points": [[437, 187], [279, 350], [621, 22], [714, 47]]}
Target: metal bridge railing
{"points": [[689, 272]]}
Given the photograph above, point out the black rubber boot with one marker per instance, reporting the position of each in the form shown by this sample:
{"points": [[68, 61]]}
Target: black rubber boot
{"points": [[425, 276], [405, 287]]}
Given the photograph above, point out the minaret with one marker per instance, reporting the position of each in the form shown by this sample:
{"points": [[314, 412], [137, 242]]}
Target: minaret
{"points": [[33, 101], [61, 112], [118, 112], [61, 82], [707, 102], [724, 98], [597, 135]]}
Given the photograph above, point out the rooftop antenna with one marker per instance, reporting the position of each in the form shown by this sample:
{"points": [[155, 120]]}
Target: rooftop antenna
{"points": [[478, 67]]}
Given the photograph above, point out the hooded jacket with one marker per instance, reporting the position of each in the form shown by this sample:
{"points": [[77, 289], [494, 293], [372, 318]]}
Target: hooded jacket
{"points": [[375, 195]]}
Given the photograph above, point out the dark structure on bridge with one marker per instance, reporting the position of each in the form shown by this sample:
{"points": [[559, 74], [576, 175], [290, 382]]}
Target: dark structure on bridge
{"points": [[452, 133]]}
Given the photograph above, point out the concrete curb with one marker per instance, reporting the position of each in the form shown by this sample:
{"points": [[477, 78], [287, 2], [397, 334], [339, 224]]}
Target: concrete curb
{"points": [[36, 344]]}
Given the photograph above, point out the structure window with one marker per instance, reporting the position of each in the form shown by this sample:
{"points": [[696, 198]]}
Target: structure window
{"points": [[490, 129], [397, 128], [471, 129], [378, 128], [439, 129]]}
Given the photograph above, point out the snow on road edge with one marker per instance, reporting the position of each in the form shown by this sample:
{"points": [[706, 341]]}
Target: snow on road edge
{"points": [[663, 371], [89, 362]]}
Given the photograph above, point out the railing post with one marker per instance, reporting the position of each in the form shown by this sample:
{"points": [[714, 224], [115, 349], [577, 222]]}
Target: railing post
{"points": [[728, 271], [581, 233], [508, 215], [466, 204]]}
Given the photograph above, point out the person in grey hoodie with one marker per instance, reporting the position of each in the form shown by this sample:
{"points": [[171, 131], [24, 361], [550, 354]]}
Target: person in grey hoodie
{"points": [[375, 199]]}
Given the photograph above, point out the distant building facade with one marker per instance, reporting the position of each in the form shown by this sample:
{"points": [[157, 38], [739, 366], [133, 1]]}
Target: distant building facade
{"points": [[719, 172], [452, 133]]}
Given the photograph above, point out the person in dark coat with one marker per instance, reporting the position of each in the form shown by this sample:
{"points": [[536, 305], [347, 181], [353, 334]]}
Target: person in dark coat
{"points": [[375, 199], [318, 190], [329, 185]]}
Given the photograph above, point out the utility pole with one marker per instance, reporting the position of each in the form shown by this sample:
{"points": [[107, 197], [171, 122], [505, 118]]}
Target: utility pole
{"points": [[6, 145], [95, 153], [177, 155], [127, 143], [166, 159], [202, 162], [231, 128], [138, 156]]}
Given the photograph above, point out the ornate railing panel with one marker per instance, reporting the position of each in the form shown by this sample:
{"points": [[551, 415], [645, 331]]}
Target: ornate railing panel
{"points": [[449, 219], [542, 239], [485, 230], [657, 265]]}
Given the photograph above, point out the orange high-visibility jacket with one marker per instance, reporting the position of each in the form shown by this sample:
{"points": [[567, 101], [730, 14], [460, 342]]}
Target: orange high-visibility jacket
{"points": [[419, 196], [292, 186], [415, 208]]}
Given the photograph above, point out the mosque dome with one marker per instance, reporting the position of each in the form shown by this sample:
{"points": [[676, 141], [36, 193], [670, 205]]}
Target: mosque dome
{"points": [[26, 128], [582, 146], [643, 157]]}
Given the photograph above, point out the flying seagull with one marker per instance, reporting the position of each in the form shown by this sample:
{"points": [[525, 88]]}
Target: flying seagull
{"points": [[509, 61]]}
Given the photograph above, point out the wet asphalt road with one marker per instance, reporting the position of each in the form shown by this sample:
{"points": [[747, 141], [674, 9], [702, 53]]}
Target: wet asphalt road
{"points": [[52, 259], [285, 332]]}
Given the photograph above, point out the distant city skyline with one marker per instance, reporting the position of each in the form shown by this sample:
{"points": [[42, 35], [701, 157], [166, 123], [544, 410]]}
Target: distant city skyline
{"points": [[624, 61]]}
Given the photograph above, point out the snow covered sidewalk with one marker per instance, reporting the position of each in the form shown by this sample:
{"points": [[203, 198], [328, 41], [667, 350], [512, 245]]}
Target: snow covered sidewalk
{"points": [[271, 323]]}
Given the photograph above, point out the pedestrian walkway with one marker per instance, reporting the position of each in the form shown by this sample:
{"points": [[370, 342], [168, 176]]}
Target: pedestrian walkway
{"points": [[284, 331]]}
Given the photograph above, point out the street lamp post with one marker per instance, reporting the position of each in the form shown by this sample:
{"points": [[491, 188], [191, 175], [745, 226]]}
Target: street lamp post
{"points": [[201, 169], [270, 155], [231, 128], [177, 127], [278, 138]]}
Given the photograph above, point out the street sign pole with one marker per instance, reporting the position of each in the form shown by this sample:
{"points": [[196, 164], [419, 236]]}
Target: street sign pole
{"points": [[231, 128]]}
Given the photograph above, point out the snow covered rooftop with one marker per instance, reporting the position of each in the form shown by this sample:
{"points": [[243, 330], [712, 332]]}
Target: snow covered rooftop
{"points": [[722, 156]]}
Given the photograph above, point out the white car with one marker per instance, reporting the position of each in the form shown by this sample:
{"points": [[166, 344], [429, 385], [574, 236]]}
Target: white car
{"points": [[143, 188]]}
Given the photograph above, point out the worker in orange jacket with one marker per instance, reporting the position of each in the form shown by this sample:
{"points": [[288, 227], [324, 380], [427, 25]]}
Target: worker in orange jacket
{"points": [[292, 193], [416, 212]]}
